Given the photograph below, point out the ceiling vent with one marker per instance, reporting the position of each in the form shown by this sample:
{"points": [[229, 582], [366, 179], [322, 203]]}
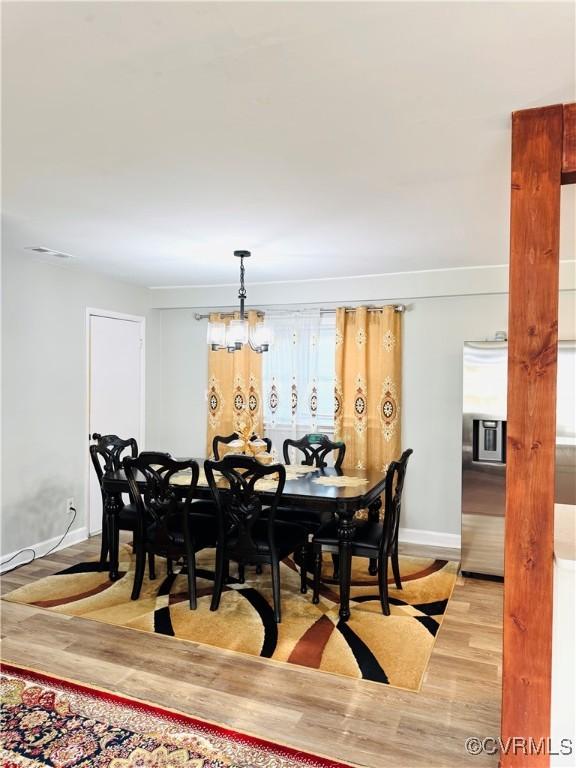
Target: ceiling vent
{"points": [[49, 252]]}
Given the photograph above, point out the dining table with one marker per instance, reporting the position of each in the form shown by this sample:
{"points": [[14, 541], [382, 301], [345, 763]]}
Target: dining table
{"points": [[301, 491]]}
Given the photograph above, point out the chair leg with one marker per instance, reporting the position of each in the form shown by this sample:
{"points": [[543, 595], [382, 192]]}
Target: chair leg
{"points": [[241, 573], [113, 545], [151, 566], [169, 566], [336, 565], [191, 571], [219, 577], [396, 568], [139, 571], [374, 517], [104, 544], [303, 571], [276, 589], [317, 576], [190, 567], [383, 584], [259, 569]]}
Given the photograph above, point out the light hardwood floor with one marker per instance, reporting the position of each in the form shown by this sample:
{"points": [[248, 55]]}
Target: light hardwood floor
{"points": [[361, 722]]}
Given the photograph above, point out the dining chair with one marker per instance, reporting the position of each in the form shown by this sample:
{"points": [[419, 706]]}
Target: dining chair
{"points": [[106, 455], [315, 447], [225, 440], [248, 532], [168, 525], [372, 539], [216, 453]]}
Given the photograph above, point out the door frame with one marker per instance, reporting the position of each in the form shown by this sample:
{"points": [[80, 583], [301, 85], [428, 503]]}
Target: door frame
{"points": [[111, 314]]}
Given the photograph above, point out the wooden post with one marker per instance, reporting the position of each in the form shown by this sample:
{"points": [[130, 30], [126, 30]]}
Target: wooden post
{"points": [[532, 358], [569, 145]]}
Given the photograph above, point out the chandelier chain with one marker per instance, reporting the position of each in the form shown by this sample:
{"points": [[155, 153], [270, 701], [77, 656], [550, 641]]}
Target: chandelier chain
{"points": [[242, 291]]}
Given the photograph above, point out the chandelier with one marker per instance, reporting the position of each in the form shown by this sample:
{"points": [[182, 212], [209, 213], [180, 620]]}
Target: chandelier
{"points": [[238, 333]]}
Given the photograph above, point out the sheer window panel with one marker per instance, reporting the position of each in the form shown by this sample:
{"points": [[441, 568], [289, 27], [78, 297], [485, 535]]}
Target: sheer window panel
{"points": [[298, 377]]}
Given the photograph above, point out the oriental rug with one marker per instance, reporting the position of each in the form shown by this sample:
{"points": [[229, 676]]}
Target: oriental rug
{"points": [[47, 721]]}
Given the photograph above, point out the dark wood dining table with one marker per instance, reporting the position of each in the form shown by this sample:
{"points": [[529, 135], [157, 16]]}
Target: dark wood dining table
{"points": [[299, 492]]}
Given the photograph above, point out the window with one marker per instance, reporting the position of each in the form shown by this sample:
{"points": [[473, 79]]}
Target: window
{"points": [[298, 375]]}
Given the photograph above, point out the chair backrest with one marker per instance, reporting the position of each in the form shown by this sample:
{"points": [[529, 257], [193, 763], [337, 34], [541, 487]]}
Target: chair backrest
{"points": [[225, 440], [107, 453], [395, 477], [238, 503], [149, 477], [315, 448]]}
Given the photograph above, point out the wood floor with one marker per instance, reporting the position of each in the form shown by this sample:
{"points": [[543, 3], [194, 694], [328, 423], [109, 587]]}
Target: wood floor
{"points": [[361, 722]]}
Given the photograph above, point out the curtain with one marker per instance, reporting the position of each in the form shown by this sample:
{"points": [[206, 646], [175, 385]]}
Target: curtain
{"points": [[234, 387], [367, 386], [298, 381]]}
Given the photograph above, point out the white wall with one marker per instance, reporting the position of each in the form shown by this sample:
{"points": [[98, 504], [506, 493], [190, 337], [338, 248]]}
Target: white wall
{"points": [[45, 442], [434, 332], [44, 366], [563, 703], [435, 328], [177, 414]]}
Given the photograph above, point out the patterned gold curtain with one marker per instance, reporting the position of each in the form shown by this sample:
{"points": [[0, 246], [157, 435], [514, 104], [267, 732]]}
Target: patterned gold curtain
{"points": [[234, 387], [367, 386]]}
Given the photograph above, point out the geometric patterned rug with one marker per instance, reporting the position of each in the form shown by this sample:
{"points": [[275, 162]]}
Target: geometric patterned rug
{"points": [[392, 650], [47, 721]]}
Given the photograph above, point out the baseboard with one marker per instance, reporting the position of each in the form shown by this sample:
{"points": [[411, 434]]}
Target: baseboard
{"points": [[431, 538], [405, 535], [42, 548]]}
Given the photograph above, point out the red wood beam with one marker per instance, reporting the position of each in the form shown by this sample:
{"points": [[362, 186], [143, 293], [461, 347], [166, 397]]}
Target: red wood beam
{"points": [[532, 358], [569, 145]]}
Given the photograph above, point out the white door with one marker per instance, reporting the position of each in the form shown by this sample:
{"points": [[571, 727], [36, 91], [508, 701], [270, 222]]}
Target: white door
{"points": [[115, 388]]}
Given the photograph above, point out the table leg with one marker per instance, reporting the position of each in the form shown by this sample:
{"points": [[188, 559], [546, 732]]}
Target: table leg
{"points": [[345, 536], [112, 510], [374, 516]]}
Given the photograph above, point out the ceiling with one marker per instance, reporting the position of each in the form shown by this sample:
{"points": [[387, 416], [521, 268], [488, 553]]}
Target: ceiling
{"points": [[151, 139]]}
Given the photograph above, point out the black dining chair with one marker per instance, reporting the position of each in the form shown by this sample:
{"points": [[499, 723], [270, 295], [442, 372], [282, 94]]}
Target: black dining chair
{"points": [[314, 449], [106, 455], [248, 532], [226, 440], [170, 523], [372, 539]]}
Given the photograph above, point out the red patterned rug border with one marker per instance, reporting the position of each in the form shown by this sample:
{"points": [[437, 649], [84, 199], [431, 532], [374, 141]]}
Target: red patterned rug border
{"points": [[72, 686]]}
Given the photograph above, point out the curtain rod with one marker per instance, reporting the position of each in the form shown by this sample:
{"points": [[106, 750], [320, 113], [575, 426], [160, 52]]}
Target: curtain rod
{"points": [[323, 311]]}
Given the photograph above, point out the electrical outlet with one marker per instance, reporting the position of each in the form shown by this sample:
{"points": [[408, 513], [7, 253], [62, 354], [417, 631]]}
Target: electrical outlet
{"points": [[70, 505]]}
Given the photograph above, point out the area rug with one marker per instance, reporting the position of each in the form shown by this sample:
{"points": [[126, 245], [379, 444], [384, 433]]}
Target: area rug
{"points": [[392, 650], [60, 723]]}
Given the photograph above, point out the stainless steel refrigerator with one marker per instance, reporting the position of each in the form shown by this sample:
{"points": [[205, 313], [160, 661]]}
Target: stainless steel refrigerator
{"points": [[484, 449]]}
